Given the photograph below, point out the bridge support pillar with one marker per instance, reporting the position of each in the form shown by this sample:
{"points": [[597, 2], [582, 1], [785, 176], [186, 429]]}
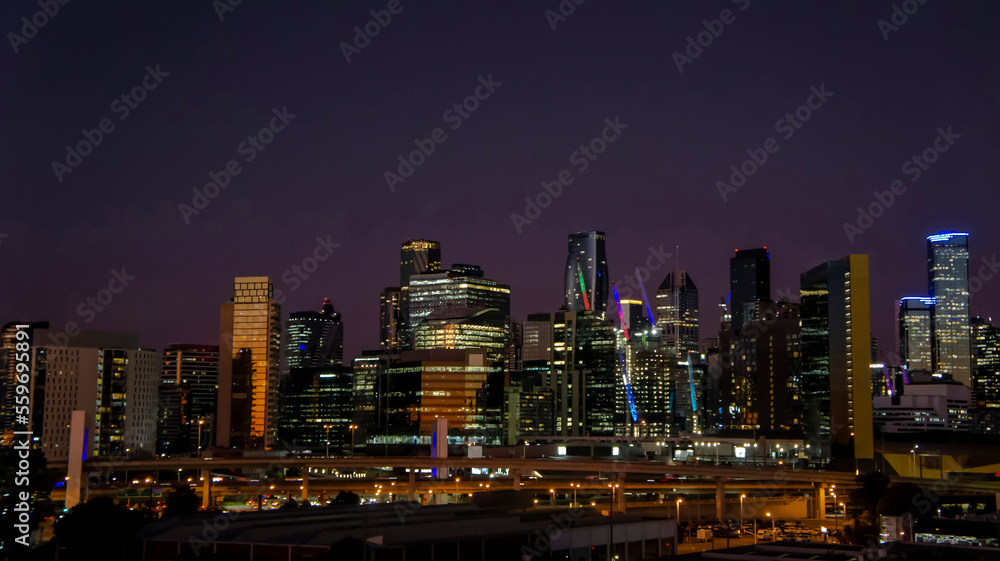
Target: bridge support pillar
{"points": [[820, 500], [720, 497], [206, 488], [305, 484], [517, 479], [620, 494], [413, 483]]}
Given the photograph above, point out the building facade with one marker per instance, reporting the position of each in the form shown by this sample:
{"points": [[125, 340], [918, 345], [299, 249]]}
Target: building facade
{"points": [[916, 333], [749, 281], [586, 282], [188, 391], [948, 281], [677, 313]]}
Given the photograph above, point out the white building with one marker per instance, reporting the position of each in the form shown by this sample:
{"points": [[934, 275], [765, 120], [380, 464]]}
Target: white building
{"points": [[941, 405], [111, 380]]}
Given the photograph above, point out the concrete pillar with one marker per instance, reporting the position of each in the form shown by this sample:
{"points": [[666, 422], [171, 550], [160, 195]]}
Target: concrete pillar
{"points": [[206, 488], [413, 483], [517, 479], [305, 484], [621, 493], [821, 501], [77, 450], [720, 497]]}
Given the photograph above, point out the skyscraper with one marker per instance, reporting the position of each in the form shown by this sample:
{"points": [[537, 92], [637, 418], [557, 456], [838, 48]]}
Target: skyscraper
{"points": [[418, 257], [189, 385], [916, 335], [249, 343], [749, 281], [463, 286], [8, 374], [836, 355], [315, 339], [586, 279], [465, 328], [948, 280], [391, 327], [677, 313], [986, 375]]}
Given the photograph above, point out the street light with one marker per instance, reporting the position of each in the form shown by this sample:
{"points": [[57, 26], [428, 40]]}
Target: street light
{"points": [[679, 501], [773, 537], [352, 427], [741, 511], [200, 423], [328, 427]]}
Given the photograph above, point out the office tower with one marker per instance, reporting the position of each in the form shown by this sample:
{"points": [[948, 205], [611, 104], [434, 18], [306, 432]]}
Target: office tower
{"points": [[418, 257], [369, 413], [421, 387], [9, 355], [465, 328], [463, 286], [391, 328], [915, 318], [836, 353], [749, 281], [315, 339], [574, 353], [761, 384], [649, 375], [986, 374], [948, 279], [108, 377], [249, 343], [586, 279], [317, 408], [687, 376], [677, 313], [189, 385], [634, 315]]}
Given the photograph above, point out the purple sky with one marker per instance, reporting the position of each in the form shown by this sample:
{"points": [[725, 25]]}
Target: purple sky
{"points": [[323, 174]]}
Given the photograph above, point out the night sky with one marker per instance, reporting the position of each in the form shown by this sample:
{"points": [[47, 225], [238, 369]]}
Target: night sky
{"points": [[62, 233]]}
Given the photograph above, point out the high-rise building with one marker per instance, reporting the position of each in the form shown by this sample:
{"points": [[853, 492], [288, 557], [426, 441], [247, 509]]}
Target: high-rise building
{"points": [[465, 328], [9, 355], [249, 344], [948, 280], [391, 328], [677, 313], [586, 279], [649, 376], [317, 408], [463, 286], [108, 377], [189, 385], [574, 353], [749, 281], [986, 374], [528, 409], [315, 339], [836, 355], [418, 257], [915, 319]]}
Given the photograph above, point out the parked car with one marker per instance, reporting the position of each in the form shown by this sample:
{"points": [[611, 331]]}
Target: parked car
{"points": [[764, 535]]}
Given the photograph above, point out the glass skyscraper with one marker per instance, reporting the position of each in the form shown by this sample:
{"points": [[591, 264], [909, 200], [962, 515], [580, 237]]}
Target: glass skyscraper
{"points": [[749, 281], [189, 384], [677, 313], [586, 280], [249, 343], [461, 287], [986, 375], [315, 339], [417, 257], [948, 280], [836, 355], [916, 316]]}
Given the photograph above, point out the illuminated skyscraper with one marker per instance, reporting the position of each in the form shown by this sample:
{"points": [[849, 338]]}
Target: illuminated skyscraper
{"points": [[249, 343], [463, 286], [315, 339], [749, 281], [465, 328], [948, 279], [9, 374], [391, 327], [189, 384], [418, 257], [915, 321], [586, 279], [836, 355], [986, 375], [677, 313]]}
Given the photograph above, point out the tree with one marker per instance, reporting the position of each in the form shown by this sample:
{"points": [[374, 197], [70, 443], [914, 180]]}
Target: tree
{"points": [[181, 502], [347, 498], [99, 525]]}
